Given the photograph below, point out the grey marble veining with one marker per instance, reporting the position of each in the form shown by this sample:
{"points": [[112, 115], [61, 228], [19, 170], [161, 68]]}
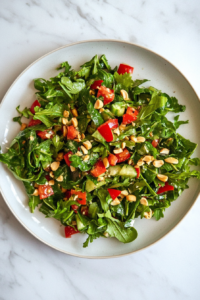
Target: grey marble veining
{"points": [[30, 269]]}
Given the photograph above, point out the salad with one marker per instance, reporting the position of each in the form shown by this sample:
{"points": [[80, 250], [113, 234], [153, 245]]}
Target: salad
{"points": [[97, 150]]}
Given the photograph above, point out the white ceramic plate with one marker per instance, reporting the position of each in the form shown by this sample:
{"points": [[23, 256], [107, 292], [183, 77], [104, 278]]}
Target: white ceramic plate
{"points": [[164, 76]]}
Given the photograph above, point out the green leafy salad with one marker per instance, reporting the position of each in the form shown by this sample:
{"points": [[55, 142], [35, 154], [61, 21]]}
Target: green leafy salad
{"points": [[98, 151]]}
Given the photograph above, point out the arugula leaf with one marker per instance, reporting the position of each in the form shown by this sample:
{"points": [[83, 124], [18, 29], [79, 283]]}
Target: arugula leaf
{"points": [[138, 82], [91, 238], [84, 72], [104, 62], [17, 119], [178, 123], [158, 213], [106, 77], [72, 145], [194, 161], [24, 112], [40, 84], [155, 103], [104, 198], [73, 87], [130, 130], [77, 162], [93, 63], [58, 144], [54, 111], [188, 146], [184, 175], [124, 81], [117, 230], [173, 105], [33, 202], [95, 115], [44, 119], [66, 66]]}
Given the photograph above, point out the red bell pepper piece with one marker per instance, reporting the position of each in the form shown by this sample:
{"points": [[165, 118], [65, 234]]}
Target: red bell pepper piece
{"points": [[106, 132], [155, 143], [68, 194], [127, 119], [66, 158], [137, 169], [114, 193], [48, 178], [132, 111], [96, 84], [34, 123], [113, 123], [81, 196], [44, 134], [112, 159], [69, 231], [75, 208], [35, 103], [99, 169], [71, 132], [106, 93], [123, 156], [45, 191], [125, 69], [165, 188]]}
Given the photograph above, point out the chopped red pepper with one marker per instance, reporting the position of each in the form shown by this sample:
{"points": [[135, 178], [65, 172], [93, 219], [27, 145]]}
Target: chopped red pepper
{"points": [[68, 194], [113, 123], [48, 178], [99, 169], [45, 134], [130, 116], [66, 158], [165, 188], [138, 171], [127, 119], [75, 208], [125, 69], [112, 159], [34, 123], [123, 156], [155, 143], [81, 196], [45, 191], [35, 103], [69, 231], [132, 111], [106, 132], [114, 193], [96, 84], [106, 93], [71, 132]]}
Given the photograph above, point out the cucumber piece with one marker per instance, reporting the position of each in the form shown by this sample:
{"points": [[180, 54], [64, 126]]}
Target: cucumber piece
{"points": [[118, 108], [80, 225], [90, 185], [128, 171], [114, 170], [107, 115]]}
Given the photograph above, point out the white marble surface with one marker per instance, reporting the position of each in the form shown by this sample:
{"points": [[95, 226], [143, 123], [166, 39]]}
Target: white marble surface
{"points": [[31, 270]]}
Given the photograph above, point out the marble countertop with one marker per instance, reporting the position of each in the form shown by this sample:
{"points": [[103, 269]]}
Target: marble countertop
{"points": [[31, 270]]}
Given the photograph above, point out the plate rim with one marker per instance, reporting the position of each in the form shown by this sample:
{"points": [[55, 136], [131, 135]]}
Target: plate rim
{"points": [[18, 77]]}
